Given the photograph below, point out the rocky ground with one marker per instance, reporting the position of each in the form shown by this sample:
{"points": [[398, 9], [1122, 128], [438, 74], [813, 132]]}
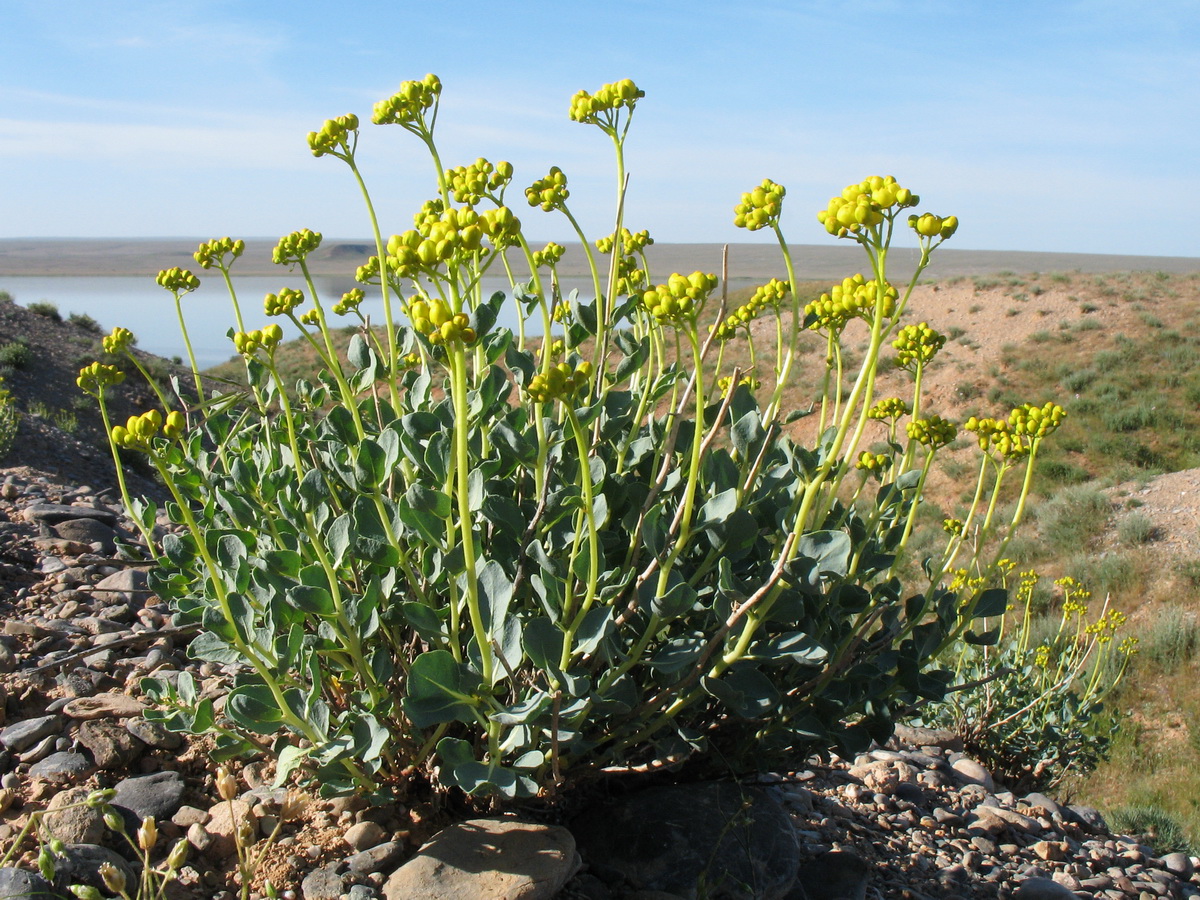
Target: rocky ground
{"points": [[914, 820]]}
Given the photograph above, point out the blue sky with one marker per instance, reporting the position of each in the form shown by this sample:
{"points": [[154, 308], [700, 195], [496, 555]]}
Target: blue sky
{"points": [[1063, 126]]}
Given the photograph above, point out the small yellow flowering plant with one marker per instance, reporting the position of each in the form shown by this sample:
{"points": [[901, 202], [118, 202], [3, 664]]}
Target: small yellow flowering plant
{"points": [[1035, 711], [506, 563]]}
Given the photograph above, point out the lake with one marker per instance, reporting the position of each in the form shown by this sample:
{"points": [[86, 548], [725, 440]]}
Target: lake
{"points": [[140, 305]]}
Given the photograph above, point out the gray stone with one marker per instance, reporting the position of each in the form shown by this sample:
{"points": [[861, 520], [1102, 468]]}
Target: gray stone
{"points": [[21, 884], [55, 513], [159, 795], [1179, 864], [1087, 816], [40, 750], [23, 735], [1047, 803], [325, 884], [155, 734], [364, 835], [1042, 889], [913, 736], [128, 586], [71, 822], [504, 859], [87, 531], [967, 771], [112, 747], [80, 864], [377, 859], [8, 659], [837, 875], [63, 767], [734, 839]]}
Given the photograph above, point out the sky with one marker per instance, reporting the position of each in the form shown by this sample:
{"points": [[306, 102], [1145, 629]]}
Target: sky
{"points": [[1057, 126]]}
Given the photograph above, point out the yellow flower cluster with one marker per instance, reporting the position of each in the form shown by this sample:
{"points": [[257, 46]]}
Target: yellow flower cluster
{"points": [[928, 225], [874, 463], [248, 343], [611, 98], [211, 253], [549, 256], [349, 302], [889, 408], [177, 280], [855, 297], [296, 246], [631, 242], [409, 103], [549, 192], [118, 341], [953, 527], [865, 204], [282, 303], [680, 297], [470, 184], [771, 295], [995, 435], [916, 345], [1105, 626], [1036, 421], [440, 235], [138, 431], [560, 382], [725, 382], [334, 136], [433, 318], [760, 208], [95, 377], [933, 432]]}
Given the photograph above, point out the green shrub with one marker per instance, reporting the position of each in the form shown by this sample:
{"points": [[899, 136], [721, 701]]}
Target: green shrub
{"points": [[1073, 518], [1171, 638], [1135, 529], [9, 420], [1034, 711], [507, 565], [1151, 825], [86, 322], [47, 309], [15, 354]]}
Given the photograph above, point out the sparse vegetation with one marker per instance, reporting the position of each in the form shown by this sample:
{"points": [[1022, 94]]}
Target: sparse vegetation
{"points": [[47, 309]]}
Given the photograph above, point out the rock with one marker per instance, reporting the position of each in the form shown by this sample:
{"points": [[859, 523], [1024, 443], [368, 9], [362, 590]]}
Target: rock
{"points": [[837, 875], [21, 884], [1051, 850], [463, 862], [155, 734], [56, 513], [68, 820], [668, 838], [87, 531], [1087, 816], [187, 816], [112, 747], [158, 795], [63, 767], [128, 585], [222, 820], [8, 659], [23, 735], [967, 771], [80, 864], [913, 736], [1042, 889], [1050, 805], [101, 706], [325, 884], [364, 835], [376, 859], [1179, 864]]}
